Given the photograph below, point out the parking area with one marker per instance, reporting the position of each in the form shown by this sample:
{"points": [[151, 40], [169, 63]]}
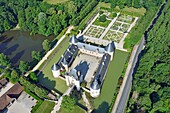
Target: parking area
{"points": [[23, 104]]}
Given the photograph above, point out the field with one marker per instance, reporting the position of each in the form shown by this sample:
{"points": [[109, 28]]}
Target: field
{"points": [[103, 24], [46, 78], [55, 1], [76, 110], [46, 107], [103, 102]]}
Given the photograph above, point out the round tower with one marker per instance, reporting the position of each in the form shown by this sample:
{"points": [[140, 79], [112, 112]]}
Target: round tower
{"points": [[73, 40], [56, 70], [95, 89], [110, 49]]}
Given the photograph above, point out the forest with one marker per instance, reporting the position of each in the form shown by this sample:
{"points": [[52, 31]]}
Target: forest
{"points": [[151, 86], [39, 17]]}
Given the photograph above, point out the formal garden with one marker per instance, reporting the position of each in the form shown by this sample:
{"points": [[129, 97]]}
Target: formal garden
{"points": [[116, 24]]}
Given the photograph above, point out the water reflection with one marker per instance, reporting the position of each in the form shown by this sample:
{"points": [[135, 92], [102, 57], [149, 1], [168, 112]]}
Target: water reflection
{"points": [[18, 45]]}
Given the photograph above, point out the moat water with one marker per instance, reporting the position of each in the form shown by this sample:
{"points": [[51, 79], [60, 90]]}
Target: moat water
{"points": [[18, 45]]}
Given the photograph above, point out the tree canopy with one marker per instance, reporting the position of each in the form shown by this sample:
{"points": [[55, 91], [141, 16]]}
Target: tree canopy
{"points": [[151, 80]]}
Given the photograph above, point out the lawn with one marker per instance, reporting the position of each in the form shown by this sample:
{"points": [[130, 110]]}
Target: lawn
{"points": [[55, 1], [76, 110], [103, 102], [103, 24], [131, 10], [46, 107], [46, 78]]}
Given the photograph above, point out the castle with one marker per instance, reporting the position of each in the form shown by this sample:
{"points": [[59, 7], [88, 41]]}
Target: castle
{"points": [[76, 77]]}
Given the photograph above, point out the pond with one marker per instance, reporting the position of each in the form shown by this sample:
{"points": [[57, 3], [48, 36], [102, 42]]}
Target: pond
{"points": [[18, 45]]}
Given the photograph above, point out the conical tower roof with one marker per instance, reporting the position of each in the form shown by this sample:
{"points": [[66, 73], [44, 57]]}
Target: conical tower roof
{"points": [[73, 40], [64, 61], [55, 67], [95, 85], [110, 47]]}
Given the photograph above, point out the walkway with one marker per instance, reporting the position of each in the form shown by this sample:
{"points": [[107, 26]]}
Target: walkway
{"points": [[90, 23], [109, 26], [58, 103], [121, 43], [87, 102]]}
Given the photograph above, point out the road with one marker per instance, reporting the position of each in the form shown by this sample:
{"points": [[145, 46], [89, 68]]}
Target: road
{"points": [[123, 95]]}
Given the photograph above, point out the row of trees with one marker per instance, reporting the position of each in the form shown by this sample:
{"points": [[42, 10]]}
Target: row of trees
{"points": [[137, 32], [15, 74], [151, 82]]}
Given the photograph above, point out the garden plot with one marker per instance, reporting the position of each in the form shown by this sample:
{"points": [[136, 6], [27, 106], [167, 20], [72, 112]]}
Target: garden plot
{"points": [[115, 36], [94, 31], [120, 26], [125, 18]]}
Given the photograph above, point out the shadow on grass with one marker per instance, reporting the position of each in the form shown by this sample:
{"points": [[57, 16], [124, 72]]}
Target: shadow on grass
{"points": [[47, 83], [103, 108]]}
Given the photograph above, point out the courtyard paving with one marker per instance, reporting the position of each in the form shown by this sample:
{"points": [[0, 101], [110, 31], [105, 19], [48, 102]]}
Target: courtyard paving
{"points": [[87, 65]]}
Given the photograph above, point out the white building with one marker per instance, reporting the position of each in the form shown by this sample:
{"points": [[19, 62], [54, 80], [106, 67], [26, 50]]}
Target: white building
{"points": [[74, 77]]}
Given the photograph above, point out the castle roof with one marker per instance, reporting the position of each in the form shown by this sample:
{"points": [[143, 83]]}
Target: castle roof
{"points": [[73, 40], [55, 67], [95, 85], [110, 47], [64, 61]]}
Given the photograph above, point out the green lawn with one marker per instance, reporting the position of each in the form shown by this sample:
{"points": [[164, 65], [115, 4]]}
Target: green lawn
{"points": [[103, 102], [76, 110], [46, 107], [55, 1], [132, 10], [46, 78], [103, 24]]}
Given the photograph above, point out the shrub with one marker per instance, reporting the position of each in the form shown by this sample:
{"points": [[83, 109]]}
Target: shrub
{"points": [[113, 15], [102, 18], [101, 12]]}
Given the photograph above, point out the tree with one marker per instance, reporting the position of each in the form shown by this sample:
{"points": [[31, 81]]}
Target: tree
{"points": [[68, 104], [23, 66], [4, 60], [46, 45], [14, 76], [102, 18], [36, 55], [40, 92], [72, 8], [33, 77]]}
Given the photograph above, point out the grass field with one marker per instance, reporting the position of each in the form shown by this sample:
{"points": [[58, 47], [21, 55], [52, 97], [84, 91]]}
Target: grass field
{"points": [[46, 107], [55, 1], [46, 78], [76, 110], [103, 24], [103, 102]]}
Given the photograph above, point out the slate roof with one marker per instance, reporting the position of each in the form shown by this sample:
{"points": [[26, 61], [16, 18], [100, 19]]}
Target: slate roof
{"points": [[102, 69], [68, 55], [90, 47], [73, 40], [110, 47], [95, 85], [55, 67]]}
